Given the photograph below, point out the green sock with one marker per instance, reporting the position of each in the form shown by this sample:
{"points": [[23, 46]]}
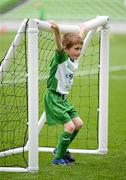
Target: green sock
{"points": [[63, 144], [73, 135]]}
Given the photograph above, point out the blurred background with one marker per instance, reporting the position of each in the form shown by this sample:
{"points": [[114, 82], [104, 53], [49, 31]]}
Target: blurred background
{"points": [[12, 12]]}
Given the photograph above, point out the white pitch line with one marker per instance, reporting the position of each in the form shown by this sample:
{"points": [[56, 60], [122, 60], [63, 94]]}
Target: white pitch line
{"points": [[118, 77], [117, 68]]}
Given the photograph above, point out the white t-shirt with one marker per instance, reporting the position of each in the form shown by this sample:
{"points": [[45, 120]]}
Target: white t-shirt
{"points": [[62, 69]]}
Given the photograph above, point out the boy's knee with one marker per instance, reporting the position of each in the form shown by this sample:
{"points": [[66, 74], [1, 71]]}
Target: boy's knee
{"points": [[78, 123], [69, 127]]}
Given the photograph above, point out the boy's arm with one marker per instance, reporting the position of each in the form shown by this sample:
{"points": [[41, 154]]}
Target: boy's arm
{"points": [[58, 38], [82, 30]]}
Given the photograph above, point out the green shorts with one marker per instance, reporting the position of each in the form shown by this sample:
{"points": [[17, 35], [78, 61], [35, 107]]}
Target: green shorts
{"points": [[57, 108]]}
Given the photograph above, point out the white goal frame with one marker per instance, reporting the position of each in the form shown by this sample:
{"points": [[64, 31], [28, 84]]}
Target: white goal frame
{"points": [[34, 25]]}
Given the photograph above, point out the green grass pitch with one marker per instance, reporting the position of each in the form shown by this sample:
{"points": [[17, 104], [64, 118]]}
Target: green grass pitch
{"points": [[93, 167]]}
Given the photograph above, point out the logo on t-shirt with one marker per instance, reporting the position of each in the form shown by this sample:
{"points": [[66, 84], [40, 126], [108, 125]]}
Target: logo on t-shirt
{"points": [[69, 77]]}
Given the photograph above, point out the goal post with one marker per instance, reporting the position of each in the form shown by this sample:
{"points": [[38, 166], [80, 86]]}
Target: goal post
{"points": [[103, 90], [34, 118], [33, 96]]}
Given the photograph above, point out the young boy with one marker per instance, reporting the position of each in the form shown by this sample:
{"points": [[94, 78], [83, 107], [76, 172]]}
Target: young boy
{"points": [[57, 107]]}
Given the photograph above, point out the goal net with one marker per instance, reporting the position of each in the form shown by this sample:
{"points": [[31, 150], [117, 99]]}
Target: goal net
{"points": [[23, 75]]}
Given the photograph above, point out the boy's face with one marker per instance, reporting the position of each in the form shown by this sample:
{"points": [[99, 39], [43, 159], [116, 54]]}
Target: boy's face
{"points": [[74, 51]]}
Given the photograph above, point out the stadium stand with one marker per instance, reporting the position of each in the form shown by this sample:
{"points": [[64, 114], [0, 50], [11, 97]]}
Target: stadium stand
{"points": [[6, 5], [69, 10]]}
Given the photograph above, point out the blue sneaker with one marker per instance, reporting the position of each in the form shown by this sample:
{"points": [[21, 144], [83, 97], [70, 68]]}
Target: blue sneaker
{"points": [[59, 162], [67, 156]]}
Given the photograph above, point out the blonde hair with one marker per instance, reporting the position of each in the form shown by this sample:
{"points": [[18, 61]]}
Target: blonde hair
{"points": [[71, 39]]}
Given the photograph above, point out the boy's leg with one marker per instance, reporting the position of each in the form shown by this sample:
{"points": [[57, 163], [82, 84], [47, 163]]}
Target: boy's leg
{"points": [[68, 156], [67, 137], [74, 134], [63, 144], [78, 123]]}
